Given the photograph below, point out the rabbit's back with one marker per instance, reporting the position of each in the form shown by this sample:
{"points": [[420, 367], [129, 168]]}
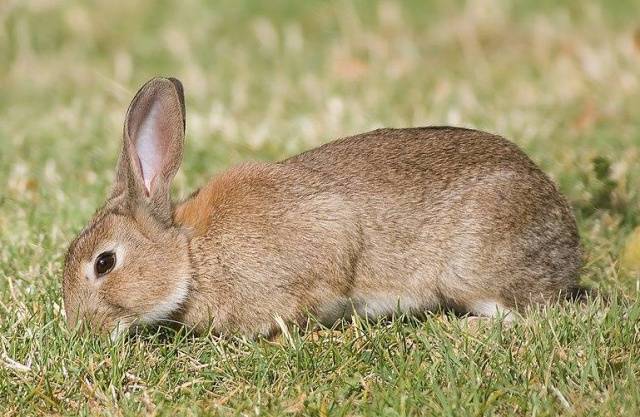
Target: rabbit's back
{"points": [[410, 161]]}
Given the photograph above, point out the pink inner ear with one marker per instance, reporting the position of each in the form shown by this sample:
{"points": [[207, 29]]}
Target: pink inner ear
{"points": [[149, 146]]}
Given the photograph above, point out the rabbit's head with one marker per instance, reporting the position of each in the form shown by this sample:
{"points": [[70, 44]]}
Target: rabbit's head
{"points": [[130, 263]]}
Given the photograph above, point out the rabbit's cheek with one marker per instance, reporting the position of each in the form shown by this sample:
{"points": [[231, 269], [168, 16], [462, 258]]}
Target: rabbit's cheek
{"points": [[170, 302], [135, 293]]}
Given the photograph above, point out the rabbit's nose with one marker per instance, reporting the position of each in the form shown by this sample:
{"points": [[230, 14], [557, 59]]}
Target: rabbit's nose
{"points": [[80, 324], [70, 318], [90, 321], [80, 320]]}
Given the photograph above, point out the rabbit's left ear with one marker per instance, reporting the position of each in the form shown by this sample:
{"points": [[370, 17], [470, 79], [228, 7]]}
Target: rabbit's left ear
{"points": [[153, 142]]}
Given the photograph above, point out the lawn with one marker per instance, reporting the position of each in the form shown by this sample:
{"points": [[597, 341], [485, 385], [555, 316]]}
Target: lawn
{"points": [[265, 80]]}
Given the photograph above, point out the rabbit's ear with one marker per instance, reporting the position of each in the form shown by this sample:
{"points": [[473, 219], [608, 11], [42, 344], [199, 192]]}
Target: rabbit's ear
{"points": [[153, 143]]}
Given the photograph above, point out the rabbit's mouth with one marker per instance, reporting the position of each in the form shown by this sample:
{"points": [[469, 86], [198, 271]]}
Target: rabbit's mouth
{"points": [[123, 326]]}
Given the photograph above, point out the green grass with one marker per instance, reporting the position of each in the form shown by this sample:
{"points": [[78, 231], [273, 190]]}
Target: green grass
{"points": [[561, 79]]}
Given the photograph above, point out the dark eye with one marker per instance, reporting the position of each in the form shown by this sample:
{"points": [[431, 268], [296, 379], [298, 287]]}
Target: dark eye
{"points": [[105, 263]]}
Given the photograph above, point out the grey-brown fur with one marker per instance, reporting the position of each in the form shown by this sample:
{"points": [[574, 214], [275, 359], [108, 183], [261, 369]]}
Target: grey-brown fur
{"points": [[427, 217]]}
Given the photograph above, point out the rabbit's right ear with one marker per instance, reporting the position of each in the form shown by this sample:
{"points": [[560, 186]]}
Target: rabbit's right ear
{"points": [[153, 141]]}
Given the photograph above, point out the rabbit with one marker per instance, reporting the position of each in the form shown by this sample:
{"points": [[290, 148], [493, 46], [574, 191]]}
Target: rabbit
{"points": [[394, 220]]}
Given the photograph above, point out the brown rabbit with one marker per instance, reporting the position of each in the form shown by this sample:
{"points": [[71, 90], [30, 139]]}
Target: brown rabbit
{"points": [[391, 220]]}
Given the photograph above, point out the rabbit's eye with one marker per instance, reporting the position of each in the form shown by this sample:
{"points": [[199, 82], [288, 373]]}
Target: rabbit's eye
{"points": [[105, 263]]}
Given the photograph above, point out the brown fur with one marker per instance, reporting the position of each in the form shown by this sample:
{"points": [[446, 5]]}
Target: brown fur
{"points": [[429, 217]]}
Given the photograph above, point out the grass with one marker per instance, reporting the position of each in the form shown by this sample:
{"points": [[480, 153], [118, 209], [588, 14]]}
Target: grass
{"points": [[561, 79]]}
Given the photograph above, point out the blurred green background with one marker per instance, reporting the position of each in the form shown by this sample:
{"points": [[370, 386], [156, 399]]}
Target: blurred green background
{"points": [[265, 80]]}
